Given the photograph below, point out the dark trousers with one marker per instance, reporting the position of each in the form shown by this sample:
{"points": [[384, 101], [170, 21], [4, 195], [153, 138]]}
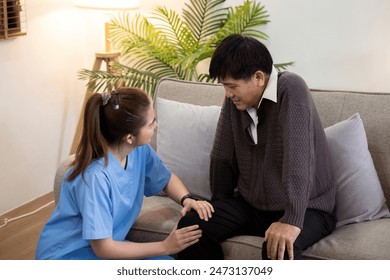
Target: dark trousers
{"points": [[235, 216]]}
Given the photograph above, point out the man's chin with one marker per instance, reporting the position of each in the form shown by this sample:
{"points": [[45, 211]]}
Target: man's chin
{"points": [[240, 107]]}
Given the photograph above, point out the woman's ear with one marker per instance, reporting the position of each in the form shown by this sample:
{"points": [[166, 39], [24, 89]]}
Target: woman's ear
{"points": [[130, 139]]}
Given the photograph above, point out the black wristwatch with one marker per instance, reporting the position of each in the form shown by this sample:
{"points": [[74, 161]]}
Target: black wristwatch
{"points": [[187, 196]]}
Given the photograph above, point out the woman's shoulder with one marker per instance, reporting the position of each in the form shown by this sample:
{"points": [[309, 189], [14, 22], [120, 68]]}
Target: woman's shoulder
{"points": [[94, 166], [144, 150], [96, 169]]}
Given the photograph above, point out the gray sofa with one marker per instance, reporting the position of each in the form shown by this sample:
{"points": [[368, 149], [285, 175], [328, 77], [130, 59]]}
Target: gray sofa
{"points": [[363, 237]]}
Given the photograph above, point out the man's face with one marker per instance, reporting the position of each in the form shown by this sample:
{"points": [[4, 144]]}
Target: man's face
{"points": [[245, 93]]}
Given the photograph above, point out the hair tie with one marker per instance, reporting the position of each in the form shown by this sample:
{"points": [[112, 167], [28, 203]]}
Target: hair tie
{"points": [[116, 99], [105, 97]]}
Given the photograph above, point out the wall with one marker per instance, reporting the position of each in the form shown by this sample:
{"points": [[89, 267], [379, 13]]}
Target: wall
{"points": [[335, 45], [40, 97]]}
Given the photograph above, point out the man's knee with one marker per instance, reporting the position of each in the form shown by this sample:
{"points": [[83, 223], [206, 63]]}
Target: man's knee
{"points": [[191, 218]]}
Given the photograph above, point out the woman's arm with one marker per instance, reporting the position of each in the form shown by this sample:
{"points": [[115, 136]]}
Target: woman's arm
{"points": [[175, 189], [178, 240]]}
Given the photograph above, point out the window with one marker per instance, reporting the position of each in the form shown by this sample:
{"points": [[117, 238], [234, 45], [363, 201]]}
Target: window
{"points": [[12, 18]]}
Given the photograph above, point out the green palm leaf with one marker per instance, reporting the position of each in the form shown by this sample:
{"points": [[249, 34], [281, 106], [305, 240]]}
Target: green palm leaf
{"points": [[204, 18], [143, 46], [175, 29], [283, 66], [171, 46], [100, 81], [126, 32], [242, 20]]}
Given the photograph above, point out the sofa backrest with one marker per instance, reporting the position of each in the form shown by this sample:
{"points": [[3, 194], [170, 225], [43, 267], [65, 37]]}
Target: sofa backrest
{"points": [[332, 106]]}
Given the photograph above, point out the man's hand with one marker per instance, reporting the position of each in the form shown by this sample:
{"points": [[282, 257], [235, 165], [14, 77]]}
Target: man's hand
{"points": [[279, 237]]}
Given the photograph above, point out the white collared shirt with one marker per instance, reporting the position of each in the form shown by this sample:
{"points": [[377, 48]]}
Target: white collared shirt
{"points": [[270, 93]]}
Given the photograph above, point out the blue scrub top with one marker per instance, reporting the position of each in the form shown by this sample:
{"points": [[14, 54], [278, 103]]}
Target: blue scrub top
{"points": [[103, 205]]}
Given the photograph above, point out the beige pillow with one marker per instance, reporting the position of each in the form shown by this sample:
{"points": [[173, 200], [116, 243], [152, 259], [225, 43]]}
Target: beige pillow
{"points": [[185, 138]]}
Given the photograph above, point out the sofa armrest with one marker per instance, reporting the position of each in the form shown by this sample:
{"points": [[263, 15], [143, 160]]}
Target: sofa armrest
{"points": [[61, 170]]}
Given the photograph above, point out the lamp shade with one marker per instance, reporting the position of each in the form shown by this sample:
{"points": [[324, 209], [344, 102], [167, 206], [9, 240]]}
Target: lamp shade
{"points": [[108, 4]]}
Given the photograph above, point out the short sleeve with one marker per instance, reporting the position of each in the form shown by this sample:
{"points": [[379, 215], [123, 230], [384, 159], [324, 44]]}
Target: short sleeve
{"points": [[95, 206], [157, 175]]}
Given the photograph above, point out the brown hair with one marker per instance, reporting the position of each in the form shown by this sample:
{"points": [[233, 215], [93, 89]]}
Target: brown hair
{"points": [[108, 118]]}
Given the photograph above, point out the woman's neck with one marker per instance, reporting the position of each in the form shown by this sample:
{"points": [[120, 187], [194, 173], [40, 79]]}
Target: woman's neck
{"points": [[120, 153]]}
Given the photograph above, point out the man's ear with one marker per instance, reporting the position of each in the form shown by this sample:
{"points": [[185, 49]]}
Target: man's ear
{"points": [[261, 78]]}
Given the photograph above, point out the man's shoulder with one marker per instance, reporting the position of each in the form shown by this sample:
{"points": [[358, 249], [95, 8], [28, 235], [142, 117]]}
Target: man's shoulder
{"points": [[292, 89], [290, 78]]}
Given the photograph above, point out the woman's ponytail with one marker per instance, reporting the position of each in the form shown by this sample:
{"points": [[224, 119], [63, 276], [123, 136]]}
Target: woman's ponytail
{"points": [[92, 143]]}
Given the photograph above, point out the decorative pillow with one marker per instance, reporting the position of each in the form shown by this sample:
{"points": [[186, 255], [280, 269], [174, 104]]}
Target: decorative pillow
{"points": [[185, 138], [359, 193]]}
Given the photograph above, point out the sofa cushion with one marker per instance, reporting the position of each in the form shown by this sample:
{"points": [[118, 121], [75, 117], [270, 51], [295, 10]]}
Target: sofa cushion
{"points": [[359, 193], [335, 106], [184, 141], [360, 241], [158, 216]]}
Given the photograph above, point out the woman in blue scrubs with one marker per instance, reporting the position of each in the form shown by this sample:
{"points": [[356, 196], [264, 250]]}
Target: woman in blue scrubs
{"points": [[102, 192]]}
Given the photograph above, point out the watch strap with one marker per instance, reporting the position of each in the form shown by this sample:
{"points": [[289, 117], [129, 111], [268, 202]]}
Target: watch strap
{"points": [[188, 195]]}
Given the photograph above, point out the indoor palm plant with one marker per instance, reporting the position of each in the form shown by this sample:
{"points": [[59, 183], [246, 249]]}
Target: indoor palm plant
{"points": [[170, 45]]}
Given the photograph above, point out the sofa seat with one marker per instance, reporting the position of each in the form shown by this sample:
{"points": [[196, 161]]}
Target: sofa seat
{"points": [[360, 241]]}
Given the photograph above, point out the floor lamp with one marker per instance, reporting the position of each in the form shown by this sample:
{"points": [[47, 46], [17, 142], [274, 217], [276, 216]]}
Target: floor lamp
{"points": [[108, 56]]}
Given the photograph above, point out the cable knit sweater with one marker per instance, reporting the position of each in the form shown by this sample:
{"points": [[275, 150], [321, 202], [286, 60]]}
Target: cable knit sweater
{"points": [[290, 166]]}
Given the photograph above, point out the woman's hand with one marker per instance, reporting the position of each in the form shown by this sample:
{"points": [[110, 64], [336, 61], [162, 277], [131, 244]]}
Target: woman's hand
{"points": [[176, 190], [180, 239], [177, 240], [202, 207]]}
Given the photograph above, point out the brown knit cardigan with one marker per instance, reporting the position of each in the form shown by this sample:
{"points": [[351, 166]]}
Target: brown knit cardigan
{"points": [[290, 166]]}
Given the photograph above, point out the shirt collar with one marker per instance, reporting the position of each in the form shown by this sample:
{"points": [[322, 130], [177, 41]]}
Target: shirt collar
{"points": [[272, 85], [270, 91]]}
